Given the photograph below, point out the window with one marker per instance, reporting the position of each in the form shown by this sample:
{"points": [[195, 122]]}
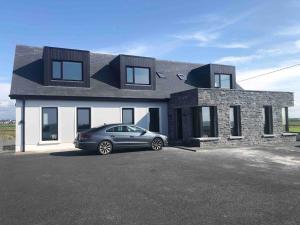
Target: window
{"points": [[137, 75], [235, 121], [67, 70], [83, 119], [49, 124], [154, 119], [179, 131], [205, 121], [223, 81], [117, 129], [128, 115], [135, 129], [285, 119], [268, 120], [181, 76]]}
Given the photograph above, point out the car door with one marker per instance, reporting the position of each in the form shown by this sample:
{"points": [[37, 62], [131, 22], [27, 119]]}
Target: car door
{"points": [[119, 135], [138, 136]]}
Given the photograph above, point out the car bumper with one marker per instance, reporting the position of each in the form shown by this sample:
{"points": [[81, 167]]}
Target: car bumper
{"points": [[166, 142], [85, 145]]}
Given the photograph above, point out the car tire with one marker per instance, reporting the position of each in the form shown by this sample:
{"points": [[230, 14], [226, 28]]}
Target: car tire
{"points": [[157, 144], [105, 147]]}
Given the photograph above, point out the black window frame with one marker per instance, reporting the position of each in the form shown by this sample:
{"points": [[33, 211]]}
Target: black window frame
{"points": [[268, 119], [56, 108], [62, 69], [220, 82], [236, 130], [198, 121], [133, 71], [132, 116], [286, 126], [90, 119]]}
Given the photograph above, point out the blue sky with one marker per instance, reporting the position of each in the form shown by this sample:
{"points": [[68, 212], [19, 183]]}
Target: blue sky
{"points": [[255, 36]]}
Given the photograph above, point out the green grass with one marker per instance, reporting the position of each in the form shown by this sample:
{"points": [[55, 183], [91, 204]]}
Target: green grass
{"points": [[295, 129], [294, 125], [7, 131]]}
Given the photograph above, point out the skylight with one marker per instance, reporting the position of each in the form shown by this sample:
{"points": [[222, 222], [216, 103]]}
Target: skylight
{"points": [[160, 75], [181, 76]]}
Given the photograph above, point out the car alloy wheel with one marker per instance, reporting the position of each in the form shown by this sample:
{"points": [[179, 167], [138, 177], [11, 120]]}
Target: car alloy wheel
{"points": [[157, 144], [105, 147]]}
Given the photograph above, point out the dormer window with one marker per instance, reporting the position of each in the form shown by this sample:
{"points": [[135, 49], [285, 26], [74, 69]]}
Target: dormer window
{"points": [[137, 75], [223, 81], [67, 70]]}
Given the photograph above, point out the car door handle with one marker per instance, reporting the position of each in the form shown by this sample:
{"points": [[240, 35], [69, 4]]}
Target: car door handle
{"points": [[131, 136], [112, 136]]}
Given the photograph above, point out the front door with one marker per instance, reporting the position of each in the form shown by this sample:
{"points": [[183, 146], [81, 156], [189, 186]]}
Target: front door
{"points": [[119, 135], [138, 137]]}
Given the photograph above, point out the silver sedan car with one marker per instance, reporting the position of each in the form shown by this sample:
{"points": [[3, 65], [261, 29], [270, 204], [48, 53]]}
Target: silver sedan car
{"points": [[107, 138]]}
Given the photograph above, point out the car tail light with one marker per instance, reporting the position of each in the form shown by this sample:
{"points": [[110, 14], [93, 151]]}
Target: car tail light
{"points": [[84, 136]]}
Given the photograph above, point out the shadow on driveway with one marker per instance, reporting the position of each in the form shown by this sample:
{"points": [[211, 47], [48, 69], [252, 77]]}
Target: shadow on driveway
{"points": [[91, 153]]}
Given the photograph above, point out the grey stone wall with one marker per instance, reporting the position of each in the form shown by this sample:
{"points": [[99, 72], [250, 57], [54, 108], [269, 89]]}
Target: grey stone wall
{"points": [[251, 103]]}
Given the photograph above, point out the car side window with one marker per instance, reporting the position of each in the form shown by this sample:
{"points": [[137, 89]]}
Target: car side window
{"points": [[117, 129], [135, 129]]}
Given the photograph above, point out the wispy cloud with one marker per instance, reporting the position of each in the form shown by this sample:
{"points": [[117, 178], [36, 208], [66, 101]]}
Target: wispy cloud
{"points": [[237, 59], [234, 45], [154, 49], [287, 48], [6, 105], [217, 22], [290, 31], [200, 38], [283, 80]]}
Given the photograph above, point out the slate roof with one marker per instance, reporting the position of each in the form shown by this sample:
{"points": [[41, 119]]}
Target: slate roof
{"points": [[27, 79]]}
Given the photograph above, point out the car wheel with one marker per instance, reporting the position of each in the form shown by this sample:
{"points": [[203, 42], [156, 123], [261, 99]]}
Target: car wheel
{"points": [[157, 144], [105, 147]]}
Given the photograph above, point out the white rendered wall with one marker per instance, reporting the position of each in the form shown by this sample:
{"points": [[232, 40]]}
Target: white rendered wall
{"points": [[18, 125], [101, 112]]}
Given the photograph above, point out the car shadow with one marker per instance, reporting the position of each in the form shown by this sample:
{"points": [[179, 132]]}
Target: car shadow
{"points": [[92, 153]]}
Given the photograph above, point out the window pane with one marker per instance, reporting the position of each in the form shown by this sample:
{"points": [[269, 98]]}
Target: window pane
{"points": [[154, 119], [217, 80], [268, 126], [72, 70], [49, 124], [283, 117], [206, 122], [83, 119], [127, 116], [225, 81], [232, 118], [142, 75], [56, 70], [129, 75], [134, 129]]}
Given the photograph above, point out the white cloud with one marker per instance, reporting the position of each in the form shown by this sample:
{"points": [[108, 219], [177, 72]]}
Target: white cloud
{"points": [[233, 45], [236, 59], [284, 80], [201, 38], [6, 105], [289, 31], [287, 48], [154, 49]]}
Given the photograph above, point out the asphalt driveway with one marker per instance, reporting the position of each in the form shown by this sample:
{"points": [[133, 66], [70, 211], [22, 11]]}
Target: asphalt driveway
{"points": [[226, 186]]}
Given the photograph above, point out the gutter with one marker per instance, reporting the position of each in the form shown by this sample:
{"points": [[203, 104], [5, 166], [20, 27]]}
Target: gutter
{"points": [[23, 125]]}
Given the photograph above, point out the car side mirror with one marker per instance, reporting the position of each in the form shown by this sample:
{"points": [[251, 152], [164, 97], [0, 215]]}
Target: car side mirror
{"points": [[143, 132]]}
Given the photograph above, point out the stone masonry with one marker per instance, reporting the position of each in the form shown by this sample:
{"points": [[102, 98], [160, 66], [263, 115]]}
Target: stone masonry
{"points": [[252, 125]]}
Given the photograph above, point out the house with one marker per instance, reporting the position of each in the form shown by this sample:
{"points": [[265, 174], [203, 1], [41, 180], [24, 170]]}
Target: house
{"points": [[62, 91]]}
